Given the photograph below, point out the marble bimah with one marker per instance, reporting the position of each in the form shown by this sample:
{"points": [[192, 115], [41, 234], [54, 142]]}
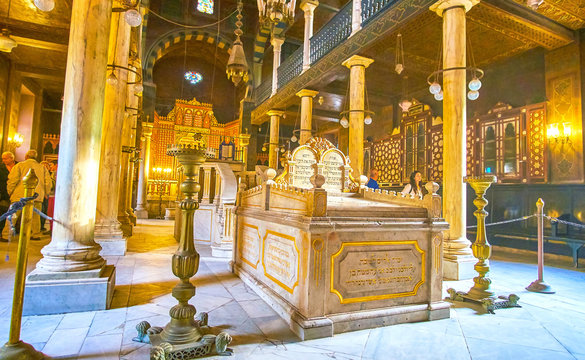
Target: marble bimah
{"points": [[331, 256]]}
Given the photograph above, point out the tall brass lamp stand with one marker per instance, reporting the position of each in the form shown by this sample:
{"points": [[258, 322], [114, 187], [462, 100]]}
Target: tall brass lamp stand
{"points": [[480, 292], [184, 337]]}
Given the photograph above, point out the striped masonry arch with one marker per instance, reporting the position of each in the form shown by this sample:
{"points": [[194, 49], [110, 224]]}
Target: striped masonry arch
{"points": [[160, 47]]}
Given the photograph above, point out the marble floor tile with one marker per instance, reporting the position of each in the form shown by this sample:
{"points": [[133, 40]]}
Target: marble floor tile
{"points": [[76, 320], [105, 347], [400, 342], [65, 343], [37, 329], [108, 322], [490, 350]]}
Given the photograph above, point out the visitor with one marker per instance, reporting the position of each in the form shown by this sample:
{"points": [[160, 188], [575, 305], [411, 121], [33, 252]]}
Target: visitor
{"points": [[415, 186], [15, 186], [51, 209], [7, 164], [373, 182], [45, 206]]}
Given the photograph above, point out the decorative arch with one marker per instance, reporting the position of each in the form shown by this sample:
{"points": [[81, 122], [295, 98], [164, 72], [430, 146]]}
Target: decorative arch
{"points": [[160, 46], [261, 38]]}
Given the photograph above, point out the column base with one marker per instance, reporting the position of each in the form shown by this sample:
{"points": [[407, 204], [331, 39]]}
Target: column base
{"points": [[125, 225], [460, 268], [141, 213], [111, 240], [221, 252], [131, 216], [64, 292]]}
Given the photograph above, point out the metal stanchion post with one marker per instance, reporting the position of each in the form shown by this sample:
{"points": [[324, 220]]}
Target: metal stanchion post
{"points": [[539, 285], [15, 348]]}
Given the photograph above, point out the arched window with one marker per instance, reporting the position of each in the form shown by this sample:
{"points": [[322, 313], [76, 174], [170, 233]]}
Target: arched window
{"points": [[510, 149], [489, 151], [205, 6]]}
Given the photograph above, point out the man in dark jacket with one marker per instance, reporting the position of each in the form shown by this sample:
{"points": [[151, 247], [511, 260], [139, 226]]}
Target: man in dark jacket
{"points": [[7, 157]]}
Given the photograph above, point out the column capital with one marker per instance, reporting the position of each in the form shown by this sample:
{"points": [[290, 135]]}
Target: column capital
{"points": [[308, 6], [276, 41], [440, 6], [278, 113], [307, 92], [357, 60]]}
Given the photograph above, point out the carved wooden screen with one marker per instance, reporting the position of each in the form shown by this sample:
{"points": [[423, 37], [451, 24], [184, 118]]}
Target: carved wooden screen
{"points": [[500, 150], [536, 170], [436, 163], [416, 130], [387, 155], [471, 152]]}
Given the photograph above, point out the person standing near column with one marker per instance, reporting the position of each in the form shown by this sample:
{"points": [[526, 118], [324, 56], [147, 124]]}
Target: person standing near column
{"points": [[7, 164], [15, 187]]}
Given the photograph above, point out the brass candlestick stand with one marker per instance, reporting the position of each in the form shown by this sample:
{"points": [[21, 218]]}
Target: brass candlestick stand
{"points": [[15, 349], [480, 292], [184, 337]]}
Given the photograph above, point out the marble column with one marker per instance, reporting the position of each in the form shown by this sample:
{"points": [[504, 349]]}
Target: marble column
{"points": [[356, 16], [357, 83], [458, 259], [276, 47], [274, 134], [206, 188], [308, 7], [141, 204], [72, 276], [306, 96], [107, 227]]}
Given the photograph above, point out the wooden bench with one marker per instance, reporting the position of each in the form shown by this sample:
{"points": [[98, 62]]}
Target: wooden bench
{"points": [[573, 243]]}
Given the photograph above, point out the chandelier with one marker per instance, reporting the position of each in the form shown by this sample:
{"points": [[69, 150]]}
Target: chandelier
{"points": [[344, 122], [474, 84], [275, 11], [237, 67]]}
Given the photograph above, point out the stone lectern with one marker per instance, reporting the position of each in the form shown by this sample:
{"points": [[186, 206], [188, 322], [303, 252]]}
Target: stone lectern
{"points": [[332, 256]]}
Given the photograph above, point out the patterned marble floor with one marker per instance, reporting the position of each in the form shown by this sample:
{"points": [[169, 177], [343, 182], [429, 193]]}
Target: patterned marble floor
{"points": [[546, 327]]}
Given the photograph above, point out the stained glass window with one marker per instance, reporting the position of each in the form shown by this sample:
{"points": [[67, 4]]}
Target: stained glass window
{"points": [[205, 6], [193, 77]]}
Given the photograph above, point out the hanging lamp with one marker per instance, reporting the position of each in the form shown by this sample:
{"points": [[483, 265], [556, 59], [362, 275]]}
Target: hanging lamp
{"points": [[237, 67], [6, 42]]}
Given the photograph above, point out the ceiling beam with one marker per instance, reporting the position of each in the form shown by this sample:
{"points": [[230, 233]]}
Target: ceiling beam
{"points": [[520, 23], [55, 75], [40, 44]]}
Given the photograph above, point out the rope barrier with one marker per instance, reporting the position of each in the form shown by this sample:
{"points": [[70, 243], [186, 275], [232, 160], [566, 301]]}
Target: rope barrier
{"points": [[564, 222], [505, 221], [13, 209]]}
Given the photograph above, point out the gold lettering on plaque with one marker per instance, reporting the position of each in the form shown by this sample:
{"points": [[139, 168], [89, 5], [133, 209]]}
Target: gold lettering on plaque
{"points": [[377, 270], [281, 260]]}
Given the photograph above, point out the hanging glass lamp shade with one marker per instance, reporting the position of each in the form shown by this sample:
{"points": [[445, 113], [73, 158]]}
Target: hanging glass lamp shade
{"points": [[112, 80], [473, 95], [133, 17], [474, 84], [439, 96], [368, 120], [405, 105], [435, 88], [237, 67], [6, 42], [45, 5], [294, 138], [343, 122]]}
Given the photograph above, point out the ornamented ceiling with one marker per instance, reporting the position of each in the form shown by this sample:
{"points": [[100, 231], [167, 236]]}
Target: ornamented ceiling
{"points": [[570, 13]]}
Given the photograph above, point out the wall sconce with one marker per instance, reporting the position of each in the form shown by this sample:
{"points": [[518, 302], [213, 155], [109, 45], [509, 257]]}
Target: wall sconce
{"points": [[15, 140], [560, 133]]}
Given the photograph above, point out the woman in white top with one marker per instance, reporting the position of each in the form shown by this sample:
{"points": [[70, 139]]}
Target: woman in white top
{"points": [[415, 186]]}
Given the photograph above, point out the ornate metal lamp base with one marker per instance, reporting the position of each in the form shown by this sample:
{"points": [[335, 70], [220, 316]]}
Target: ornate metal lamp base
{"points": [[20, 351], [205, 344], [489, 304], [540, 287]]}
